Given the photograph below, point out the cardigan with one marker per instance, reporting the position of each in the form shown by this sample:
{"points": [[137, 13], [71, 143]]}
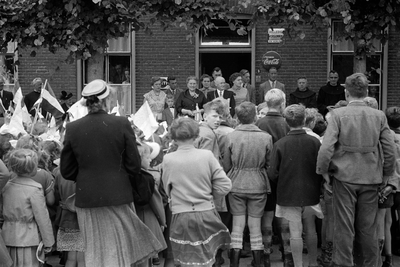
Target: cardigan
{"points": [[101, 155], [192, 178], [246, 159], [293, 164]]}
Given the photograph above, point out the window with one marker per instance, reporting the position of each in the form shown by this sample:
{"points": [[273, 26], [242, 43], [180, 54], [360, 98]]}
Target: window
{"points": [[117, 70], [223, 36], [342, 61], [8, 68]]}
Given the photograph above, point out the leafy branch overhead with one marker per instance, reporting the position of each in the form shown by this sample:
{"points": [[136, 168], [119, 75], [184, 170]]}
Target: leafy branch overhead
{"points": [[84, 26], [364, 20]]}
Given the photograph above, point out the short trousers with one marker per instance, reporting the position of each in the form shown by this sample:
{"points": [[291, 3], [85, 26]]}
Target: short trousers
{"points": [[247, 204], [295, 214]]}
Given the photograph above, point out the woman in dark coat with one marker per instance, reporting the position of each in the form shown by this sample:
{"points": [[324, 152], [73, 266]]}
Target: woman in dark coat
{"points": [[189, 99]]}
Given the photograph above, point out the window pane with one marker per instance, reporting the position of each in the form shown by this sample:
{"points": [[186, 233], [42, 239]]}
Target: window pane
{"points": [[121, 44], [119, 69], [344, 45], [224, 36], [343, 64]]}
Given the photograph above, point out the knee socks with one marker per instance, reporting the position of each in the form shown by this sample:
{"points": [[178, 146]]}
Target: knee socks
{"points": [[267, 239], [296, 245], [256, 242], [236, 240]]}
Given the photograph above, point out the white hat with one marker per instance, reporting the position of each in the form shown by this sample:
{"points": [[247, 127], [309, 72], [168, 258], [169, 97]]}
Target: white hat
{"points": [[96, 88], [155, 149]]}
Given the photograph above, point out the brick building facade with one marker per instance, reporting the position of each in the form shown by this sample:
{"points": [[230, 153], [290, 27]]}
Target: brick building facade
{"points": [[169, 53]]}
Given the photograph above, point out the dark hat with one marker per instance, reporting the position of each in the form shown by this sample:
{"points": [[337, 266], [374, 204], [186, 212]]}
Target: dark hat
{"points": [[65, 96], [96, 88]]}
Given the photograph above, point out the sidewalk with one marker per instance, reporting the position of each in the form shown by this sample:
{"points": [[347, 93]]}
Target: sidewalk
{"points": [[244, 262]]}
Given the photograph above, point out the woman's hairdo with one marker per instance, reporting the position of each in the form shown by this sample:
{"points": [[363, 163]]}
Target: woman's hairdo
{"points": [[234, 76], [191, 78], [184, 129], [154, 80], [22, 161]]}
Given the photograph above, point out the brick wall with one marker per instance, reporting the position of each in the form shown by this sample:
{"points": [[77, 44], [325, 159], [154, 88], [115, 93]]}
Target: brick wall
{"points": [[60, 75], [165, 53], [393, 98], [307, 57]]}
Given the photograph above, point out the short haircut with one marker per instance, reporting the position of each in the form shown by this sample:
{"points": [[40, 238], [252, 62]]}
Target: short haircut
{"points": [[216, 104], [371, 102], [311, 114], [333, 72], [155, 79], [169, 97], [216, 69], [393, 117], [22, 161], [184, 129], [357, 85], [37, 81], [192, 78], [205, 76], [295, 115], [261, 106], [272, 68], [275, 98], [246, 112], [171, 78], [320, 124], [302, 77], [243, 72], [234, 76]]}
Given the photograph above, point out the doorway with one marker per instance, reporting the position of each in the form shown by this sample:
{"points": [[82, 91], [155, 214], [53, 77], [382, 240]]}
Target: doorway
{"points": [[229, 62]]}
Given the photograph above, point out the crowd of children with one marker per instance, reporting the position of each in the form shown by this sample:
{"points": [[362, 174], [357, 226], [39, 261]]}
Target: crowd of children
{"points": [[214, 183]]}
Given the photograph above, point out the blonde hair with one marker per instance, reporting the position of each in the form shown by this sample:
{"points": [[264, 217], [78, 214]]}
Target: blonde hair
{"points": [[23, 161]]}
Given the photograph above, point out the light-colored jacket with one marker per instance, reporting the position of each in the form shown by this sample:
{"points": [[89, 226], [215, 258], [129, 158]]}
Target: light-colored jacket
{"points": [[246, 159], [350, 148], [24, 214]]}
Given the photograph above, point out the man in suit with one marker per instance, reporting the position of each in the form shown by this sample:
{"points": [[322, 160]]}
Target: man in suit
{"points": [[6, 97], [268, 85], [221, 91], [246, 84], [217, 72], [173, 88], [168, 113]]}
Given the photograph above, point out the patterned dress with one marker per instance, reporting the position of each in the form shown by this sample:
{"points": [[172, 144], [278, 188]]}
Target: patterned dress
{"points": [[156, 102]]}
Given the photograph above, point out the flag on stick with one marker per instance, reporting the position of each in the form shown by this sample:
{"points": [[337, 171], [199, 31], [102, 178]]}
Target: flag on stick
{"points": [[51, 105], [145, 121]]}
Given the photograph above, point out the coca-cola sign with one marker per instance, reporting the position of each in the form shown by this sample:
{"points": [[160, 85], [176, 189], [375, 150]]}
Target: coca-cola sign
{"points": [[271, 59]]}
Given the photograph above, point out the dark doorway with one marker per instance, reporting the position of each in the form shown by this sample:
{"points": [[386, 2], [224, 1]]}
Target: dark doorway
{"points": [[228, 62]]}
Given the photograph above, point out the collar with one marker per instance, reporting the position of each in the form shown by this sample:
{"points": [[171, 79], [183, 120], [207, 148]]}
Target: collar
{"points": [[186, 147], [274, 113], [247, 128], [297, 132]]}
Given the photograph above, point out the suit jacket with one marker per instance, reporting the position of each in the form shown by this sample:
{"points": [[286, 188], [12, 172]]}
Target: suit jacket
{"points": [[265, 87], [167, 116], [7, 98], [176, 95], [101, 155], [226, 95], [24, 211]]}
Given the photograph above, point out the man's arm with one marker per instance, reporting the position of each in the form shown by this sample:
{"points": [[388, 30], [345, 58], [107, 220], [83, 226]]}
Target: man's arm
{"points": [[328, 146], [387, 141]]}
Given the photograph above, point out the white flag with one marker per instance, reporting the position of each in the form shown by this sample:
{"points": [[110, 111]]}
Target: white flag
{"points": [[145, 121]]}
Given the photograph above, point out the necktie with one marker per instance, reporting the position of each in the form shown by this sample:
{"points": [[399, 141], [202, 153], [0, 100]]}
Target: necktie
{"points": [[220, 93]]}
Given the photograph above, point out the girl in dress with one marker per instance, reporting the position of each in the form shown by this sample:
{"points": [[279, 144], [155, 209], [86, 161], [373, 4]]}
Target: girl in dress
{"points": [[192, 179], [24, 216], [153, 214]]}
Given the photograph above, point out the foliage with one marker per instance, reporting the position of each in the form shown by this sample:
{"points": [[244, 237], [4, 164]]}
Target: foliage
{"points": [[365, 20], [84, 26]]}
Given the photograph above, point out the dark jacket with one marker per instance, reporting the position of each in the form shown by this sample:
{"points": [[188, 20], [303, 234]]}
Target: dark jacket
{"points": [[186, 101], [227, 95], [7, 98], [101, 155], [293, 165], [329, 95], [274, 124], [308, 98]]}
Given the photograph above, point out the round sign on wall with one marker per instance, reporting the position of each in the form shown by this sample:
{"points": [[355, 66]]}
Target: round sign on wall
{"points": [[271, 59]]}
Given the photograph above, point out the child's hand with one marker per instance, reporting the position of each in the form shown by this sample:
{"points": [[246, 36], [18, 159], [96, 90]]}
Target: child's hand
{"points": [[47, 249]]}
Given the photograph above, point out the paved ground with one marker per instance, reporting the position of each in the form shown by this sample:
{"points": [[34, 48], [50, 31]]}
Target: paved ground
{"points": [[244, 262]]}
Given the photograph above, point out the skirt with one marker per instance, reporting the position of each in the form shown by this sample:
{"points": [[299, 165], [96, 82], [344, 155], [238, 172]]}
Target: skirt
{"points": [[69, 240], [115, 236], [5, 259], [196, 236], [23, 256]]}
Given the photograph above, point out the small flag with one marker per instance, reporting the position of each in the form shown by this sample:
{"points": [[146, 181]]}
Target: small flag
{"points": [[145, 121], [51, 105]]}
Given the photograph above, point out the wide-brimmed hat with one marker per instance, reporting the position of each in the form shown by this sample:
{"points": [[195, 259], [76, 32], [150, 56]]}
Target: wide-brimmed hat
{"points": [[96, 88], [65, 95]]}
